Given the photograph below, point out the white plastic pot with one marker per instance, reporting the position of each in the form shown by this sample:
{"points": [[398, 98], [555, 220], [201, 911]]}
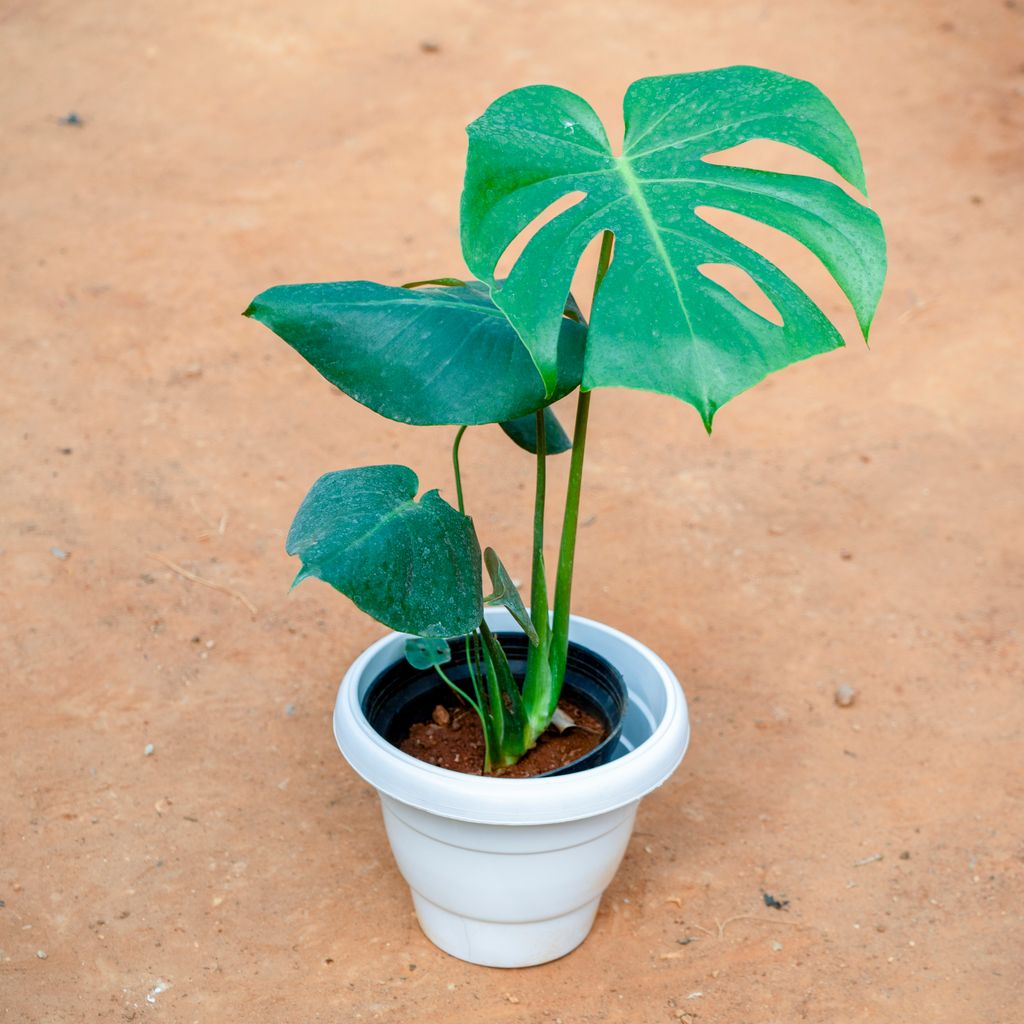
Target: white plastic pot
{"points": [[509, 872]]}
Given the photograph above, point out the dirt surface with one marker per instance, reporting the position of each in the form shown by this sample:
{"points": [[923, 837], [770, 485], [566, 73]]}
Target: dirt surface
{"points": [[181, 839], [453, 739]]}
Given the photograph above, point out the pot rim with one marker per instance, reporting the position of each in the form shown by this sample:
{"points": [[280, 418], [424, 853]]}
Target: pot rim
{"points": [[536, 801]]}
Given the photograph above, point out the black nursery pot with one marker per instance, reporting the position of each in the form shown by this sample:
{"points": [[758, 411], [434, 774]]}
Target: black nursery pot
{"points": [[402, 695]]}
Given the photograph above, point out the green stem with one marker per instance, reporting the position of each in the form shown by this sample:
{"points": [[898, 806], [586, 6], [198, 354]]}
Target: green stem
{"points": [[496, 706], [472, 672], [465, 696], [477, 705], [538, 583], [455, 466], [476, 673], [567, 549], [570, 522], [508, 713], [537, 684]]}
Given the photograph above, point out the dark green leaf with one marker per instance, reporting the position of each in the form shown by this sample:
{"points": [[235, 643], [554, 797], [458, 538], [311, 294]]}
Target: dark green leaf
{"points": [[505, 593], [439, 354], [415, 566], [426, 652], [524, 432], [658, 323]]}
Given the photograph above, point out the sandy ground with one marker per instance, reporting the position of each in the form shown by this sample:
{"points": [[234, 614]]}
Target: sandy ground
{"points": [[856, 520]]}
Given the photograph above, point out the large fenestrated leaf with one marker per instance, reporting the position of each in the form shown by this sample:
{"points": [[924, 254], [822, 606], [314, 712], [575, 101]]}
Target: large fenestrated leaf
{"points": [[437, 354], [415, 566], [658, 323]]}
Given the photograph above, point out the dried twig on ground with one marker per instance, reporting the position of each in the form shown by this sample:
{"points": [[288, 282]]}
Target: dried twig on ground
{"points": [[212, 584], [867, 860], [722, 925]]}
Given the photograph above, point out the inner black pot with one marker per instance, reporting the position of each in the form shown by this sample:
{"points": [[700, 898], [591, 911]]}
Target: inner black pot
{"points": [[402, 695]]}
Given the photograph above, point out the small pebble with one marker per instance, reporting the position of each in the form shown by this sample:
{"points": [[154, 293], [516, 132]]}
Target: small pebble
{"points": [[845, 555], [905, 855], [148, 752], [158, 989], [59, 553], [441, 716], [776, 946], [41, 953], [289, 710], [845, 695]]}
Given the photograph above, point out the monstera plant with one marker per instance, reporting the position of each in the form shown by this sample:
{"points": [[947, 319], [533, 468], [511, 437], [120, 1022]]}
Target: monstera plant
{"points": [[488, 350]]}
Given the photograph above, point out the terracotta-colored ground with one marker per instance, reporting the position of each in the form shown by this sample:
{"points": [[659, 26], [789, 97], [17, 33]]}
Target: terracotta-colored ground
{"points": [[855, 520]]}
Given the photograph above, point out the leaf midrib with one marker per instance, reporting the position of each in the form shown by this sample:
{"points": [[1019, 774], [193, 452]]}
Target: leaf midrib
{"points": [[395, 513], [624, 167], [677, 143], [481, 308]]}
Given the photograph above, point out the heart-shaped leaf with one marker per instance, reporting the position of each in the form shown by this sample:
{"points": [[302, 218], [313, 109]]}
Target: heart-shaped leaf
{"points": [[658, 323], [425, 652], [506, 593], [415, 566], [437, 354], [524, 432]]}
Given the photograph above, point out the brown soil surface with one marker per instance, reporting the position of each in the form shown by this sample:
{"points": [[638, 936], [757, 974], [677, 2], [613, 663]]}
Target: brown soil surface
{"points": [[854, 521], [453, 739]]}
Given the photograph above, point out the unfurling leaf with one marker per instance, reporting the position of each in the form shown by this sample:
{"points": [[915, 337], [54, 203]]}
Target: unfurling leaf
{"points": [[414, 566], [658, 323], [505, 593]]}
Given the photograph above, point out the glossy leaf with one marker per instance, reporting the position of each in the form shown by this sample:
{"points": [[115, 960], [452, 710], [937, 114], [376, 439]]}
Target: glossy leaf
{"points": [[437, 354], [658, 323], [425, 652], [414, 566], [524, 432], [507, 594]]}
